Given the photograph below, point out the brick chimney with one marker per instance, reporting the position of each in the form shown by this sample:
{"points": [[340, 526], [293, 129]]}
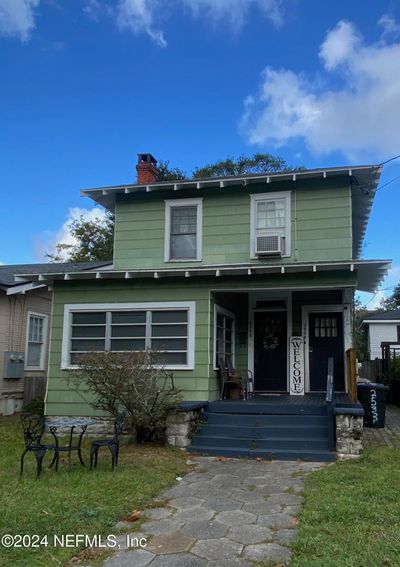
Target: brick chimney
{"points": [[146, 169]]}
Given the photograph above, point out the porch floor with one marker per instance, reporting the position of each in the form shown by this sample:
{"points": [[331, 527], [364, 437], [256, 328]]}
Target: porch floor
{"points": [[310, 404]]}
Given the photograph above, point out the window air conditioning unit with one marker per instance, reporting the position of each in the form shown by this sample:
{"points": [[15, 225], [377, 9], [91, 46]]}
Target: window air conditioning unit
{"points": [[269, 245]]}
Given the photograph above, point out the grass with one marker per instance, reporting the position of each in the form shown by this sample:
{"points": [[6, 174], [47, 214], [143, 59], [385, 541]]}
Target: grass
{"points": [[351, 514], [75, 500]]}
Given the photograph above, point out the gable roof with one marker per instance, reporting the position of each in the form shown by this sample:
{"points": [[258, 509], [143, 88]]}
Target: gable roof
{"points": [[363, 180], [386, 316], [7, 272]]}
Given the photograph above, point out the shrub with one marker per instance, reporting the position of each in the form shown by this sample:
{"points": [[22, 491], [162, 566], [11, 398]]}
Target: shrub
{"points": [[35, 406], [133, 382]]}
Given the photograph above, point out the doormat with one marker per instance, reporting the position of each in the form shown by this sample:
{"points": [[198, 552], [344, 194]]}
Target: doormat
{"points": [[271, 395]]}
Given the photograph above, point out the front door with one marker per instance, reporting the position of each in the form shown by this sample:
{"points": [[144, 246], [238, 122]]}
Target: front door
{"points": [[325, 340], [270, 351]]}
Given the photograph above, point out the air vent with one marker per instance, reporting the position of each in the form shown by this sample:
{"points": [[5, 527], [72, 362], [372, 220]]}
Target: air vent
{"points": [[269, 245]]}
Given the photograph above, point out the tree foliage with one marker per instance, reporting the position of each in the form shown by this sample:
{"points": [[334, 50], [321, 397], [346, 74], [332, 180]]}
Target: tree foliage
{"points": [[94, 241], [393, 301], [134, 382], [167, 173], [95, 238], [258, 163]]}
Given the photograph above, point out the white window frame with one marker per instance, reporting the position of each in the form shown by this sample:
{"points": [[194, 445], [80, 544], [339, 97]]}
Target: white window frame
{"points": [[261, 197], [189, 306], [169, 204], [222, 311], [43, 352]]}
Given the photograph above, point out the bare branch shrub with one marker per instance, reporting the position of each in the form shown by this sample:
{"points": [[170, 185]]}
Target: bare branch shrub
{"points": [[134, 382]]}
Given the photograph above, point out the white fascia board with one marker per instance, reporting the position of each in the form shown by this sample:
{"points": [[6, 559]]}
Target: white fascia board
{"points": [[23, 288]]}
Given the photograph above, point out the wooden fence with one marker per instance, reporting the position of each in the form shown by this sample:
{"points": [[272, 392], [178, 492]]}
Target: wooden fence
{"points": [[371, 370], [34, 387]]}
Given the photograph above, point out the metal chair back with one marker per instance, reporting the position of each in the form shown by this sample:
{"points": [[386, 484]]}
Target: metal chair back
{"points": [[33, 427]]}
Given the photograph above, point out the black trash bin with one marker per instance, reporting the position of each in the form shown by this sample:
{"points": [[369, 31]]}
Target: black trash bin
{"points": [[373, 398]]}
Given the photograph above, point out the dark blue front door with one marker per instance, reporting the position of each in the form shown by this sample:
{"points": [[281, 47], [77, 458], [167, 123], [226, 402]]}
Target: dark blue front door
{"points": [[326, 340], [270, 351]]}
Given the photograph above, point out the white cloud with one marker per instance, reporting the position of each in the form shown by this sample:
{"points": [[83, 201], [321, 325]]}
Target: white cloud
{"points": [[140, 16], [17, 18], [137, 16], [389, 25], [359, 118], [235, 11], [47, 243]]}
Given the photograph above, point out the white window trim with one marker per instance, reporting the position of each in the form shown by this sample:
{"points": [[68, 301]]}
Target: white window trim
{"points": [[223, 311], [71, 308], [45, 318], [169, 204], [254, 199]]}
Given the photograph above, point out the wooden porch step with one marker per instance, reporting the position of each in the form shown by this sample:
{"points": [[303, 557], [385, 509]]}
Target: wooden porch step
{"points": [[265, 420], [266, 408], [267, 444], [265, 431], [283, 455]]}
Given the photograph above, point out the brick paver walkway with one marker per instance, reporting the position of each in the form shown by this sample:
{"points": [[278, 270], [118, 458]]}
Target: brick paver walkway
{"points": [[390, 434], [223, 514]]}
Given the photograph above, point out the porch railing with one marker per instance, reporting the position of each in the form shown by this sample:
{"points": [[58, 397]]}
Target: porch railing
{"points": [[330, 403]]}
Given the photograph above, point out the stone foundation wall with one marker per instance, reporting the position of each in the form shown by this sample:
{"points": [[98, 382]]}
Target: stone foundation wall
{"points": [[349, 430], [181, 425], [102, 425]]}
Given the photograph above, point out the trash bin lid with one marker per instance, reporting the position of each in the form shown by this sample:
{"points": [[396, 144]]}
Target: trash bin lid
{"points": [[372, 386]]}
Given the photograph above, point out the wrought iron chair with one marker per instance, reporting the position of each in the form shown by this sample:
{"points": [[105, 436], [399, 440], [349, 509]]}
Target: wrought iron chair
{"points": [[33, 427], [112, 443], [246, 378]]}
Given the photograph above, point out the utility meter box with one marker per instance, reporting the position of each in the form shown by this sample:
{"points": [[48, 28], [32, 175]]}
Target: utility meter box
{"points": [[13, 365]]}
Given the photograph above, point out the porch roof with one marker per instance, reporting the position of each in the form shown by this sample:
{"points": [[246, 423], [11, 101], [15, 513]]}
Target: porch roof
{"points": [[369, 273], [363, 181]]}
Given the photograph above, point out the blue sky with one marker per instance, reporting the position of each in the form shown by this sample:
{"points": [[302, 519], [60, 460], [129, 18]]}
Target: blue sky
{"points": [[86, 84]]}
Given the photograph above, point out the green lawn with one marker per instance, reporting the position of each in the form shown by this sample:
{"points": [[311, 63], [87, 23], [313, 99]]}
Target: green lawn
{"points": [[74, 501], [351, 515]]}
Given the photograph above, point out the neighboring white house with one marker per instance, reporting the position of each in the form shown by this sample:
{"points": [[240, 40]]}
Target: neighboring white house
{"points": [[382, 327]]}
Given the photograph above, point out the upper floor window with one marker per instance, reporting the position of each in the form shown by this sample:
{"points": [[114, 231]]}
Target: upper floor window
{"points": [[270, 224], [183, 230], [36, 340]]}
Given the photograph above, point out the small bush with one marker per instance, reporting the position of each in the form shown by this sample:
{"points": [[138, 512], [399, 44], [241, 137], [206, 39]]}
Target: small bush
{"points": [[133, 382], [35, 406]]}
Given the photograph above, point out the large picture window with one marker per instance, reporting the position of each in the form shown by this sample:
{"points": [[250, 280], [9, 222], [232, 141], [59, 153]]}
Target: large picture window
{"points": [[167, 328], [183, 232], [36, 341]]}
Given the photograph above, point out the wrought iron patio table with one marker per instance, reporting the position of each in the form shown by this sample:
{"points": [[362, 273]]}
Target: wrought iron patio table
{"points": [[72, 424]]}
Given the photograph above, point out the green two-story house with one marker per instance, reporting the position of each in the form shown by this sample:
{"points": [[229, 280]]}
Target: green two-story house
{"points": [[261, 268]]}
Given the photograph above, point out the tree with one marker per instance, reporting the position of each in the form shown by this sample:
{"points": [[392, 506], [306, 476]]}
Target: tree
{"points": [[258, 163], [393, 301], [95, 238], [94, 241], [166, 173]]}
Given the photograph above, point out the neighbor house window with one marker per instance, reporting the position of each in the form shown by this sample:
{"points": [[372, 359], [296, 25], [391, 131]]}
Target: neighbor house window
{"points": [[164, 327], [270, 224], [36, 340], [183, 230], [224, 333]]}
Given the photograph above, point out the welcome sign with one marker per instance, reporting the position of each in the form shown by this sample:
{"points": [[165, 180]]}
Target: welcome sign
{"points": [[296, 361]]}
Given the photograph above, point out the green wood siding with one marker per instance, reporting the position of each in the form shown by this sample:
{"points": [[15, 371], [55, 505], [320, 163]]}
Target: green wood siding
{"points": [[200, 383], [320, 229]]}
